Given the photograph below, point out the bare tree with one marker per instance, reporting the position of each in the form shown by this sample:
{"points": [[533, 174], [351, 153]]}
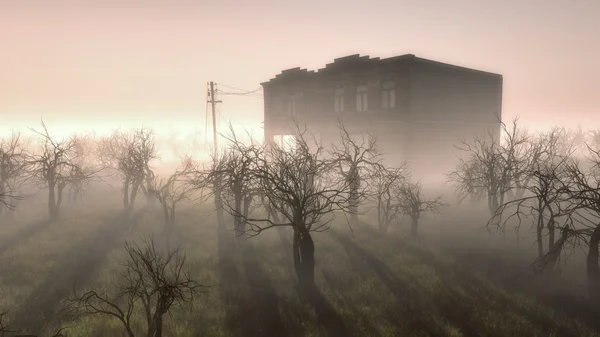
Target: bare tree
{"points": [[306, 189], [55, 166], [152, 282], [172, 190], [494, 166], [84, 149], [130, 155], [385, 187], [546, 200], [208, 180], [415, 205], [234, 170], [355, 158], [13, 167]]}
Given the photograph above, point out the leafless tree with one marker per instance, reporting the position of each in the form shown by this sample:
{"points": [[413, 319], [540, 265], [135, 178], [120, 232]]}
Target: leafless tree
{"points": [[208, 181], [385, 188], [13, 168], [234, 173], [172, 190], [130, 155], [495, 166], [152, 282], [306, 189], [355, 158], [84, 149], [546, 200], [55, 166], [415, 205]]}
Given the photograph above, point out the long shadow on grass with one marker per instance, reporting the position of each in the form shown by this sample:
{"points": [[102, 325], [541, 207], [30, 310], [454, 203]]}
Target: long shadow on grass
{"points": [[363, 324], [327, 316], [571, 306], [251, 302], [458, 309], [411, 312], [39, 308], [27, 232]]}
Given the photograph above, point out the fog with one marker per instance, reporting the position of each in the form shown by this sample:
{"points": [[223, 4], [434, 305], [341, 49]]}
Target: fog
{"points": [[295, 236]]}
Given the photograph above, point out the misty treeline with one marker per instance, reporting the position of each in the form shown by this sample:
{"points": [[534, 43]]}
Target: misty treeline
{"points": [[547, 182], [302, 186]]}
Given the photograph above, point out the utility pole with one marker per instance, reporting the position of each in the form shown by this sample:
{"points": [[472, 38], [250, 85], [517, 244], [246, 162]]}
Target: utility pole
{"points": [[213, 103]]}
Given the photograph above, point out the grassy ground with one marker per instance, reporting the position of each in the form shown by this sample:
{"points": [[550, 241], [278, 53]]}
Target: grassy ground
{"points": [[368, 284]]}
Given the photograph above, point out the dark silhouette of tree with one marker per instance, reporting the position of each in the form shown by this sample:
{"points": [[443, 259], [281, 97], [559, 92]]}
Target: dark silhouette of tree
{"points": [[412, 203], [355, 158], [493, 167], [385, 186], [55, 166], [13, 168], [130, 155], [546, 200], [307, 190], [239, 189], [153, 282], [172, 190]]}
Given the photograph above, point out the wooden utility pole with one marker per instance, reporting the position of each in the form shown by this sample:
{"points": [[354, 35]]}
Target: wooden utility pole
{"points": [[213, 103]]}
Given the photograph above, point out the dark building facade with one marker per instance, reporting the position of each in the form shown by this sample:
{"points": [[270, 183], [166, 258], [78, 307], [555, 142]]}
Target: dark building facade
{"points": [[418, 108]]}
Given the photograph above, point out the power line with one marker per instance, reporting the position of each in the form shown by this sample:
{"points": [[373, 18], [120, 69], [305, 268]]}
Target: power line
{"points": [[249, 93]]}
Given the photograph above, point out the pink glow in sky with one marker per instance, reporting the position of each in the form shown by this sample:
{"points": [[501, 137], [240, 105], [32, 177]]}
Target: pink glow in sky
{"points": [[113, 63]]}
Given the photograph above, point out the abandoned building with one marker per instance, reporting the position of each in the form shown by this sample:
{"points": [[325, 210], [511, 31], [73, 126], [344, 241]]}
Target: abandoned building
{"points": [[418, 108]]}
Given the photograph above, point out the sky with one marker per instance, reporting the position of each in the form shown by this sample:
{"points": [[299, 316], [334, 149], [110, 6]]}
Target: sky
{"points": [[83, 65]]}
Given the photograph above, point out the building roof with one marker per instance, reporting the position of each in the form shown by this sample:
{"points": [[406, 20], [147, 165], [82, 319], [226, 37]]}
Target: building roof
{"points": [[357, 60]]}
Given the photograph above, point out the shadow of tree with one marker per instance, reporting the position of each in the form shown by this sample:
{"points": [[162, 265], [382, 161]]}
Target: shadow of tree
{"points": [[27, 232], [327, 316], [250, 299], [365, 324], [452, 305], [85, 259]]}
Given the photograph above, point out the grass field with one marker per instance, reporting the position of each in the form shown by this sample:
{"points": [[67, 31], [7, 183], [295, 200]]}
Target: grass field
{"points": [[368, 284]]}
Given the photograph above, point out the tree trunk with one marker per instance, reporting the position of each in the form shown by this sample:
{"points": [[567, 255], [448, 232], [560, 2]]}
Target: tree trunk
{"points": [[304, 257], [166, 211], [59, 198], [134, 191], [551, 234], [593, 269], [540, 237], [247, 202], [52, 201], [414, 226], [237, 217], [353, 200], [2, 191], [126, 194], [158, 326]]}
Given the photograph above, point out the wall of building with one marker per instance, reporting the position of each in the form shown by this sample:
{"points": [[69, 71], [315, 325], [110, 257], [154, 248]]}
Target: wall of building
{"points": [[436, 107], [445, 93]]}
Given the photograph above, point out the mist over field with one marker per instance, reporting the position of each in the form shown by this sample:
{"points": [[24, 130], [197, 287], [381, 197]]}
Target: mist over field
{"points": [[299, 168], [101, 238]]}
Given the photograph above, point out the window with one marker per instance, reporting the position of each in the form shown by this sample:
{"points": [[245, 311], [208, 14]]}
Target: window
{"points": [[388, 95], [285, 142], [338, 100], [361, 98]]}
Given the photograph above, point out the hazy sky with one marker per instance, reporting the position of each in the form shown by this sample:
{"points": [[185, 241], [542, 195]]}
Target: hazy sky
{"points": [[94, 64]]}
